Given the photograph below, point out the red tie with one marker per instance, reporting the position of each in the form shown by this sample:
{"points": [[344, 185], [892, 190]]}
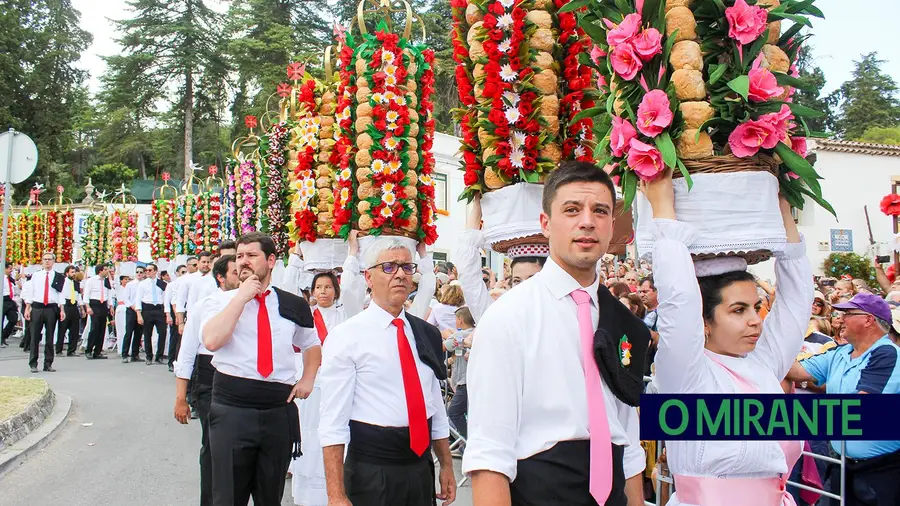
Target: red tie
{"points": [[101, 291], [46, 288], [264, 338], [321, 329], [415, 399]]}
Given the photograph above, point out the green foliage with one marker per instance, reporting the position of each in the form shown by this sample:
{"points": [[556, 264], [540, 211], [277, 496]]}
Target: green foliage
{"points": [[109, 177], [841, 264], [881, 135], [867, 100], [810, 94]]}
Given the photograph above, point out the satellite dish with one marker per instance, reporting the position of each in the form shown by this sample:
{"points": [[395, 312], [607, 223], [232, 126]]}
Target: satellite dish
{"points": [[24, 157]]}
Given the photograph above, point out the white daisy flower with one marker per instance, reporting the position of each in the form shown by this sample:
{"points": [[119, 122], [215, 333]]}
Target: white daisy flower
{"points": [[505, 21], [507, 3], [518, 138], [508, 74], [517, 158], [579, 151], [386, 212], [389, 198], [505, 46], [511, 98], [512, 115]]}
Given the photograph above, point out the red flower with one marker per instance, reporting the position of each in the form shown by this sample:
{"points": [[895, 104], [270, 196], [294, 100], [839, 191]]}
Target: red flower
{"points": [[496, 9], [890, 205]]}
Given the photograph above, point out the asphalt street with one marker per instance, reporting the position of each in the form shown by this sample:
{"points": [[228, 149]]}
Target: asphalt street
{"points": [[120, 445]]}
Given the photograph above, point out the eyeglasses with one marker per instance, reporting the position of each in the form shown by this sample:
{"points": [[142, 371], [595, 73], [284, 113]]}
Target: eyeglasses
{"points": [[391, 268], [847, 313], [818, 303]]}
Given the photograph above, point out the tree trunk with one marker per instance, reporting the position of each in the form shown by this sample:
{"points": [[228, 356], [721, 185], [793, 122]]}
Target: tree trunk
{"points": [[142, 165], [188, 124]]}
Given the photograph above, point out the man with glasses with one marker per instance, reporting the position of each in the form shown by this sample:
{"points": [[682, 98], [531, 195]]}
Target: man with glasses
{"points": [[150, 308], [43, 297], [98, 292], [381, 395], [133, 328], [868, 365]]}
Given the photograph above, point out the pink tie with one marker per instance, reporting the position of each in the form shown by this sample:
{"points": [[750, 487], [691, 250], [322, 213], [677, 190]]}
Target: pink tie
{"points": [[601, 444]]}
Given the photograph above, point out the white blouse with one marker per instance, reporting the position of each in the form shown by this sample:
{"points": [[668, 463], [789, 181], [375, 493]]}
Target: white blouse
{"points": [[682, 365]]}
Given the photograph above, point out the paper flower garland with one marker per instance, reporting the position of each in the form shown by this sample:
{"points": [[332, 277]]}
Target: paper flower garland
{"points": [[124, 236], [394, 128], [229, 225], [96, 247], [245, 197], [274, 215], [162, 235]]}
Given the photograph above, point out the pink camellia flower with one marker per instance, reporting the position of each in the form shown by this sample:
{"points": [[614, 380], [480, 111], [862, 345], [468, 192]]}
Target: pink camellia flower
{"points": [[747, 139], [648, 43], [654, 114], [625, 31], [763, 85], [601, 82], [745, 23], [625, 61], [779, 121], [620, 135], [798, 144], [645, 159], [596, 54]]}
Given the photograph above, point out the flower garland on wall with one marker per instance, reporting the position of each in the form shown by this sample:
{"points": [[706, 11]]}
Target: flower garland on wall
{"points": [[719, 82], [124, 236], [391, 133], [274, 215]]}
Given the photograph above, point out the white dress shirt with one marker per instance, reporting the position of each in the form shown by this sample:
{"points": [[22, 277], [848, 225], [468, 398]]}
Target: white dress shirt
{"points": [[181, 296], [9, 287], [95, 289], [148, 294], [130, 294], [199, 289], [169, 294], [239, 357], [34, 290], [191, 342], [361, 378], [68, 290], [682, 366], [296, 277], [525, 379], [467, 259]]}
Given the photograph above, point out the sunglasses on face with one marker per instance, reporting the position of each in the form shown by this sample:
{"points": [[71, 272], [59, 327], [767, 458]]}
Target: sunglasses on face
{"points": [[393, 267]]}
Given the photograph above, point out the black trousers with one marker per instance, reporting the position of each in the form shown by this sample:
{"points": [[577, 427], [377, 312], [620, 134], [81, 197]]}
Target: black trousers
{"points": [[560, 476], [251, 453], [43, 320], [98, 328], [10, 318], [459, 406], [870, 482], [174, 340], [26, 337], [72, 325], [203, 400], [370, 484], [133, 333], [154, 318]]}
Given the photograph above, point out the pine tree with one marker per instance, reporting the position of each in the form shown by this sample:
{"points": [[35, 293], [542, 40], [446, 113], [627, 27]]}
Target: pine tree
{"points": [[867, 100], [812, 75], [176, 43]]}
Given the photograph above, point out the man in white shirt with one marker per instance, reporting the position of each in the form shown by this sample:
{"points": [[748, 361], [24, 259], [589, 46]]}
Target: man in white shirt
{"points": [[544, 426], [183, 297], [133, 328], [98, 292], [194, 368], [174, 331], [381, 396], [72, 306], [42, 300], [10, 309], [151, 314], [254, 427]]}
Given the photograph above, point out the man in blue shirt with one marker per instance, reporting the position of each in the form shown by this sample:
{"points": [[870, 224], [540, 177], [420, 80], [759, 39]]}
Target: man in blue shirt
{"points": [[869, 364]]}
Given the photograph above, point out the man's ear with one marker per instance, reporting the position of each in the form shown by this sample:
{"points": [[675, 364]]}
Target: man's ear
{"points": [[545, 224]]}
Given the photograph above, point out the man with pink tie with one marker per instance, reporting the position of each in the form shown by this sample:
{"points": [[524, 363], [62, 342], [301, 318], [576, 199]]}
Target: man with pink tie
{"points": [[556, 369]]}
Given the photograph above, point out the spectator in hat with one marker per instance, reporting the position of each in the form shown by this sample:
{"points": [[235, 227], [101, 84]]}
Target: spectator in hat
{"points": [[868, 365], [820, 306]]}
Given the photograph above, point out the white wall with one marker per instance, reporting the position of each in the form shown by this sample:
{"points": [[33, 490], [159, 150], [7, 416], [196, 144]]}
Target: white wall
{"points": [[851, 181]]}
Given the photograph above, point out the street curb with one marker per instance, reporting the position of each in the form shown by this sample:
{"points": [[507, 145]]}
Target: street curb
{"points": [[35, 441]]}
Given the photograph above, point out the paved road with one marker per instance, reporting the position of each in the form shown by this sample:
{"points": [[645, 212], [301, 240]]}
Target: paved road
{"points": [[134, 453]]}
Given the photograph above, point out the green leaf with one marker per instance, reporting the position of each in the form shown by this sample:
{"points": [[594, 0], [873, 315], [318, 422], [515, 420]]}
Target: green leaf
{"points": [[740, 85], [786, 36], [787, 80], [667, 149], [670, 42], [796, 18], [594, 31], [802, 110], [805, 6], [717, 73], [574, 5], [819, 200], [588, 113], [624, 7], [650, 11], [629, 188], [799, 166], [686, 174]]}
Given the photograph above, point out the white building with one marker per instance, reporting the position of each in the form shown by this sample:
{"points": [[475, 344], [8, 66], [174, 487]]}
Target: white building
{"points": [[856, 176]]}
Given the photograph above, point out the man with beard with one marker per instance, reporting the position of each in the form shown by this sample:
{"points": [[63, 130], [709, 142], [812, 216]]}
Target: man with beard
{"points": [[98, 291], [381, 396], [72, 306], [194, 365], [545, 426], [254, 428]]}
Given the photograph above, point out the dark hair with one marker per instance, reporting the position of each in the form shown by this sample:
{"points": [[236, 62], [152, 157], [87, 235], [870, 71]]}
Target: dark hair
{"points": [[266, 244], [450, 267], [465, 315], [636, 301], [711, 289], [227, 245], [189, 259], [574, 172], [155, 268], [69, 268], [182, 266], [220, 268], [648, 279], [527, 260], [442, 267], [620, 289], [334, 282], [204, 254], [100, 267]]}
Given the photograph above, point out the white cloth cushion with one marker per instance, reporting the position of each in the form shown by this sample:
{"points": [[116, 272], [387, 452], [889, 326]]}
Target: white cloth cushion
{"points": [[512, 212], [324, 254]]}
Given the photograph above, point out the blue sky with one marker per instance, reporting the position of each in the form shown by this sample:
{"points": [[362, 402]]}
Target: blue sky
{"points": [[848, 30]]}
